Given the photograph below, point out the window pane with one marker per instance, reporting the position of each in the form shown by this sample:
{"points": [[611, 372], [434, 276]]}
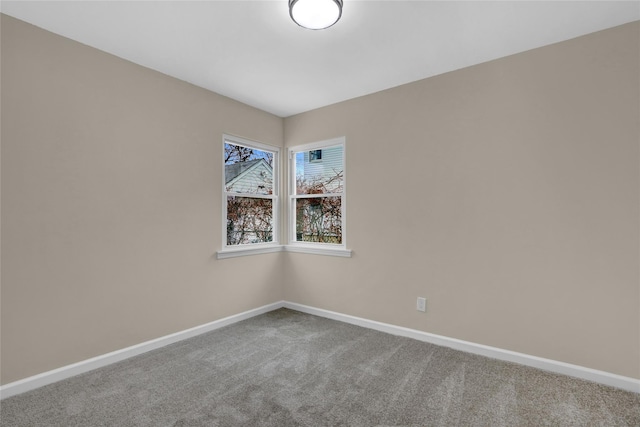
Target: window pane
{"points": [[247, 170], [319, 220], [320, 171], [249, 220]]}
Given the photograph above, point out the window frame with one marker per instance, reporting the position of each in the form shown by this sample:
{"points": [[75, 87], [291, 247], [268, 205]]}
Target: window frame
{"points": [[321, 248], [227, 250]]}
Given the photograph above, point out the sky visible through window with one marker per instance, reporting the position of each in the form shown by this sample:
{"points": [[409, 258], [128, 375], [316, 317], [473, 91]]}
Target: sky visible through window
{"points": [[237, 153], [300, 164]]}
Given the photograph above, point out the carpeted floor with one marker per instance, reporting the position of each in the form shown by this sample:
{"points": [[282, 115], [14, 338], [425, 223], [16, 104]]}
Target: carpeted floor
{"points": [[286, 368]]}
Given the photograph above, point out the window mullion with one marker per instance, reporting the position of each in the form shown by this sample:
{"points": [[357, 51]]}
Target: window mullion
{"points": [[251, 195], [314, 196]]}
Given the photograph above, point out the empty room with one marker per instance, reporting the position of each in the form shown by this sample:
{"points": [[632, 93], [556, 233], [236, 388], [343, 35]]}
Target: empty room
{"points": [[320, 213]]}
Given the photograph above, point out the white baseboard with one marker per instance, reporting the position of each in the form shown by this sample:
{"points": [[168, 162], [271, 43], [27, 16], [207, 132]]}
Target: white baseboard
{"points": [[606, 378], [45, 378], [68, 371]]}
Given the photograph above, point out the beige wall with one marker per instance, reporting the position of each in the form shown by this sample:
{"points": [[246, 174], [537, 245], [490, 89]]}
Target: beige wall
{"points": [[111, 204], [506, 193]]}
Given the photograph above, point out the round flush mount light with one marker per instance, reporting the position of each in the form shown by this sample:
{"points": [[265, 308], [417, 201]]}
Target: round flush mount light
{"points": [[315, 14]]}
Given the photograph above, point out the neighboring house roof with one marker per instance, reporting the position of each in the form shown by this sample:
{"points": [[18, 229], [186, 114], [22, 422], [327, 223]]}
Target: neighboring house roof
{"points": [[236, 173]]}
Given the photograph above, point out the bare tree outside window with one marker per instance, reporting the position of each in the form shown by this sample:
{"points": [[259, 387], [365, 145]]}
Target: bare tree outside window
{"points": [[237, 153]]}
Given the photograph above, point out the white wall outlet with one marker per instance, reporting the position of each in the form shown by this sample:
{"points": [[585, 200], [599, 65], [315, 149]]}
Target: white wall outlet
{"points": [[421, 305]]}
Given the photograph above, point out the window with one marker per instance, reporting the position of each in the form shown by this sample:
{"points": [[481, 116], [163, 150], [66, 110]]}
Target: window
{"points": [[315, 155], [250, 193], [316, 205], [317, 194]]}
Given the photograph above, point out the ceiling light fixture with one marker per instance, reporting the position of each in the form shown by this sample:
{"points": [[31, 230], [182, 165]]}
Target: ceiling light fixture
{"points": [[315, 14]]}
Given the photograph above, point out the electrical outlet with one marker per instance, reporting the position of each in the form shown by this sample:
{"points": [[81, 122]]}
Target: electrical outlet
{"points": [[421, 305]]}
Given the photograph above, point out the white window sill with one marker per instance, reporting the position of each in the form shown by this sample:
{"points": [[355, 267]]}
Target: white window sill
{"points": [[319, 250], [248, 251]]}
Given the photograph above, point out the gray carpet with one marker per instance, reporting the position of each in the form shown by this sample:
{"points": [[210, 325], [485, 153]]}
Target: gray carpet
{"points": [[286, 368]]}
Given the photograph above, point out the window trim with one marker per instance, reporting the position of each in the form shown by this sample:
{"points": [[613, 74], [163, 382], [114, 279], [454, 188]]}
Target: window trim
{"points": [[263, 249], [334, 249], [229, 251], [240, 252]]}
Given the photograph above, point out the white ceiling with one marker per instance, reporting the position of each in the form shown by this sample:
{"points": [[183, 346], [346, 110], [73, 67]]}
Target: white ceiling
{"points": [[251, 51]]}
